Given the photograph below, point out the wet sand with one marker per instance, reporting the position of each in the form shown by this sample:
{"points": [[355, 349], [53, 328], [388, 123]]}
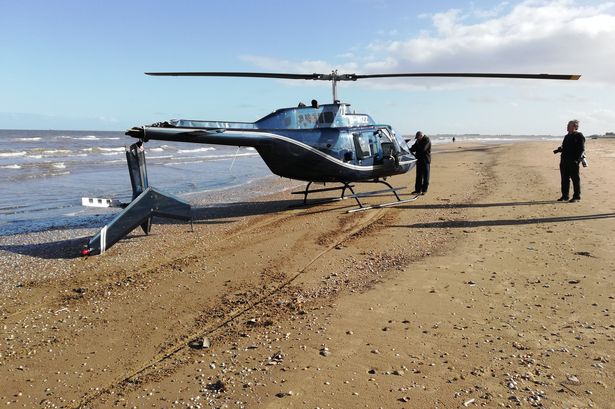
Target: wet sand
{"points": [[486, 292]]}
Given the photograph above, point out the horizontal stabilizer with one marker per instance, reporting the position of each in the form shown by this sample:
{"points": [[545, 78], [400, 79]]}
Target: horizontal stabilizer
{"points": [[139, 212]]}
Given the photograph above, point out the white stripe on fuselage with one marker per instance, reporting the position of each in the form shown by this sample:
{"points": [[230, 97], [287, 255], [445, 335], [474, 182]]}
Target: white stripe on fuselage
{"points": [[363, 168]]}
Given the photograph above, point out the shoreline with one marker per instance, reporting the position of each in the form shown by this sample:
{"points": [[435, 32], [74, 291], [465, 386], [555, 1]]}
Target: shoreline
{"points": [[447, 301]]}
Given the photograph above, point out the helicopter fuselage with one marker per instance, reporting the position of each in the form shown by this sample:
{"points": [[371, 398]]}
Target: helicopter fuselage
{"points": [[318, 144]]}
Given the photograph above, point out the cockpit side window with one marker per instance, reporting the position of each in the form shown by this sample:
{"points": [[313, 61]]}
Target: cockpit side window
{"points": [[362, 145], [326, 117], [388, 146]]}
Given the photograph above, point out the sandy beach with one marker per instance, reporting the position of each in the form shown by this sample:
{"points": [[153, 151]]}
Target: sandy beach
{"points": [[486, 292]]}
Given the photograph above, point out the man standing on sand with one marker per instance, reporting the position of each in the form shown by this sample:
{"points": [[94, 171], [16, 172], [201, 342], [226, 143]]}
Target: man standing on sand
{"points": [[572, 150], [422, 151]]}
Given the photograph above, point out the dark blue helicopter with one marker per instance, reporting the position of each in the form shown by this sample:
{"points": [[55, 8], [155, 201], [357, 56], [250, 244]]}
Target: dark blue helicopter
{"points": [[316, 143]]}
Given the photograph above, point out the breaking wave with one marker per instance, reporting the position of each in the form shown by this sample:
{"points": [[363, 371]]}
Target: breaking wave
{"points": [[12, 154], [196, 150]]}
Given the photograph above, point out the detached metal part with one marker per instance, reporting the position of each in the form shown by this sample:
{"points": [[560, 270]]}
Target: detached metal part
{"points": [[146, 202], [100, 202]]}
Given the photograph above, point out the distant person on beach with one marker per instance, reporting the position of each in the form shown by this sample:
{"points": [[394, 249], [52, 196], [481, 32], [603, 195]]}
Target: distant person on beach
{"points": [[453, 139], [314, 103], [422, 151], [301, 105], [572, 151]]}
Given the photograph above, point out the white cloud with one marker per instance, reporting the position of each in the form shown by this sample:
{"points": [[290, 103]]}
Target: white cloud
{"points": [[601, 116], [533, 36], [489, 13], [303, 67], [112, 120]]}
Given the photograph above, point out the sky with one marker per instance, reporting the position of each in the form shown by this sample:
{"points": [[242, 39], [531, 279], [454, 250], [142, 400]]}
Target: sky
{"points": [[79, 65]]}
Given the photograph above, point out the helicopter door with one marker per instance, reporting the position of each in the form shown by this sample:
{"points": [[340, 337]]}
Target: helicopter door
{"points": [[387, 144], [365, 146], [390, 149]]}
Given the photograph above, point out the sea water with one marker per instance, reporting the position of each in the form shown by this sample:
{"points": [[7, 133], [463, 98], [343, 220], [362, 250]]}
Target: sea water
{"points": [[44, 174]]}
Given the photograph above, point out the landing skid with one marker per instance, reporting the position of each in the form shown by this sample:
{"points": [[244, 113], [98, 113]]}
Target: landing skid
{"points": [[354, 195], [146, 203], [377, 206]]}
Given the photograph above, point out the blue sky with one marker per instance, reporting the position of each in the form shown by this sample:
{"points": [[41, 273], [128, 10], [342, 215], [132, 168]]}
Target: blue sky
{"points": [[80, 64]]}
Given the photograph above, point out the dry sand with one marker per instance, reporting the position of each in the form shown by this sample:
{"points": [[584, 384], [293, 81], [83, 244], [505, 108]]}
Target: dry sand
{"points": [[486, 292]]}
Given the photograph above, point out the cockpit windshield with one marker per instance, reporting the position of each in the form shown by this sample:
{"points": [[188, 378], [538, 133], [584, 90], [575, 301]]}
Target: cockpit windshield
{"points": [[399, 141]]}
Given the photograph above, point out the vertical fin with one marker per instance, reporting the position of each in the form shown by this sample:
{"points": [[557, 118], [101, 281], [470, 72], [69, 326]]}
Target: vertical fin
{"points": [[135, 156]]}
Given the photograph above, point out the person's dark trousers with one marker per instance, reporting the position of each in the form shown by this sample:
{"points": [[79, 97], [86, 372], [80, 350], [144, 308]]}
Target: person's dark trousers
{"points": [[422, 176], [570, 170]]}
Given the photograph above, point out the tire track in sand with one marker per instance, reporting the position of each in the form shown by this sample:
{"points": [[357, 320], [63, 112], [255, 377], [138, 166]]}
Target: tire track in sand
{"points": [[126, 377]]}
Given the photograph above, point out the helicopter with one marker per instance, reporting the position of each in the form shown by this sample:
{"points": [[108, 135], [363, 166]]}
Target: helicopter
{"points": [[316, 143]]}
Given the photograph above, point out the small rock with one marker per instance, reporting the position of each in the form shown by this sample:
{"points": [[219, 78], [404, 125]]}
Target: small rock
{"points": [[277, 357], [573, 380], [199, 343], [468, 402], [217, 386], [514, 399]]}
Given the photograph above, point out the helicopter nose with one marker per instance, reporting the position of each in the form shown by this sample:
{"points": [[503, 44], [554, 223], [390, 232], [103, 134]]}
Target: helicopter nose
{"points": [[136, 132]]}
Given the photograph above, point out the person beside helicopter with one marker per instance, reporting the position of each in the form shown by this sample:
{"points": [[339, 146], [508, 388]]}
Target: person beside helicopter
{"points": [[572, 154], [422, 151]]}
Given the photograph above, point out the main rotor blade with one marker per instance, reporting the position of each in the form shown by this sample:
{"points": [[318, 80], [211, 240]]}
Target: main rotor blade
{"points": [[473, 75], [242, 74], [334, 76]]}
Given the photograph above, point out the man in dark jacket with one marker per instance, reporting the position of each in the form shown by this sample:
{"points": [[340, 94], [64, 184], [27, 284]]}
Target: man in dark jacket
{"points": [[422, 151], [572, 150]]}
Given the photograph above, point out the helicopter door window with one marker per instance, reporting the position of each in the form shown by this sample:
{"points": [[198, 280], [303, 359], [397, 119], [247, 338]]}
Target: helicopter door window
{"points": [[363, 146], [386, 142], [325, 117]]}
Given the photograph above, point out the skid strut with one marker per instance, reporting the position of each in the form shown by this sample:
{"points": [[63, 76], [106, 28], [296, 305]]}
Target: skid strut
{"points": [[147, 202], [307, 191], [356, 196]]}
